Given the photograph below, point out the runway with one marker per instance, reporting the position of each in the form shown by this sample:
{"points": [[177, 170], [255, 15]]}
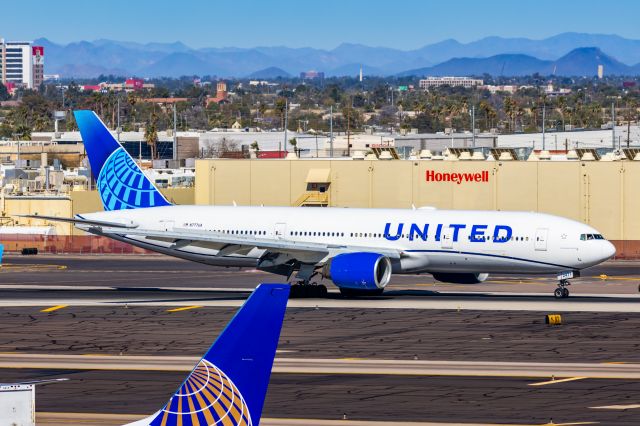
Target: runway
{"points": [[550, 371], [616, 277], [388, 398], [125, 329], [403, 334]]}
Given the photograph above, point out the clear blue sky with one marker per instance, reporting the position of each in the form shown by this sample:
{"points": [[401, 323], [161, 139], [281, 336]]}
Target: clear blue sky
{"points": [[401, 24]]}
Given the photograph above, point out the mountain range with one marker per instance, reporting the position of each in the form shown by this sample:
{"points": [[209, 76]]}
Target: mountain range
{"points": [[570, 54]]}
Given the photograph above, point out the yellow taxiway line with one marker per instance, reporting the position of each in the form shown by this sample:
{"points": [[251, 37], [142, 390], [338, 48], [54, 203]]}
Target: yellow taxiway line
{"points": [[184, 308], [54, 308]]}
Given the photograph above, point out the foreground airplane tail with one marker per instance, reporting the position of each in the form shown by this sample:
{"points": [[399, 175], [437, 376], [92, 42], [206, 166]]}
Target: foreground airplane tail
{"points": [[229, 384], [1, 252], [121, 183]]}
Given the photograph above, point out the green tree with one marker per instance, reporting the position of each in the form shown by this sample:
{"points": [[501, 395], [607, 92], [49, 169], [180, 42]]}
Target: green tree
{"points": [[4, 93], [151, 135]]}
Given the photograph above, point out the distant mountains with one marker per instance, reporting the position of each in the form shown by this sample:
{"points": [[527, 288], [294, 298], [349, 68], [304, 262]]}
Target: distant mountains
{"points": [[582, 61], [570, 54]]}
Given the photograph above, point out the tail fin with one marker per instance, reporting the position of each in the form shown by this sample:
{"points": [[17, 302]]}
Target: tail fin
{"points": [[121, 183], [1, 252], [229, 384]]}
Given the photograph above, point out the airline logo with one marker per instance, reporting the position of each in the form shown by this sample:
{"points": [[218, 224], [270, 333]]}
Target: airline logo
{"points": [[477, 233], [207, 397], [433, 176], [123, 186]]}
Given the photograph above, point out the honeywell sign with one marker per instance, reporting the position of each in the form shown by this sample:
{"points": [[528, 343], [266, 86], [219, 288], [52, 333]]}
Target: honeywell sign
{"points": [[433, 176]]}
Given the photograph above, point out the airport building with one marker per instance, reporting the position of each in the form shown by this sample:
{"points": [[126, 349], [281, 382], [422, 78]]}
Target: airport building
{"points": [[429, 82]]}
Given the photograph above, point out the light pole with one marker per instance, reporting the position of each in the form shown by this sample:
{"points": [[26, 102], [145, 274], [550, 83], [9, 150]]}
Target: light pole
{"points": [[286, 122], [473, 126], [331, 131], [544, 116]]}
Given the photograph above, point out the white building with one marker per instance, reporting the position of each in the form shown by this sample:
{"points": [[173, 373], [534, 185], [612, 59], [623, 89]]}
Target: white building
{"points": [[17, 62], [428, 82]]}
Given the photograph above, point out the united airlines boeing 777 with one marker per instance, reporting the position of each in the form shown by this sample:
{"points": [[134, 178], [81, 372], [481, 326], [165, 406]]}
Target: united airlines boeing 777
{"points": [[358, 249]]}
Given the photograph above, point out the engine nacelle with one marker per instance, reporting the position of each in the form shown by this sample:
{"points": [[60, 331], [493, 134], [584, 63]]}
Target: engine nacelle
{"points": [[446, 277], [359, 271]]}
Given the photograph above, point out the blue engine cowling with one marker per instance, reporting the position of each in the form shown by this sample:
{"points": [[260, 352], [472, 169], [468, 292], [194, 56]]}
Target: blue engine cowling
{"points": [[446, 277], [359, 271]]}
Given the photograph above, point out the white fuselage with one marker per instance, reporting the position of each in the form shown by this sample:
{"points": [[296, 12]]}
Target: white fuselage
{"points": [[431, 240]]}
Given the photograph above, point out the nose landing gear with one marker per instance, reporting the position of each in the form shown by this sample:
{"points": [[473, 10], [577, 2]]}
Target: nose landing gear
{"points": [[562, 292]]}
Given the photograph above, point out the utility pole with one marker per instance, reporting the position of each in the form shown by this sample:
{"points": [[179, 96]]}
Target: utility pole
{"points": [[613, 125], [286, 121], [331, 131], [118, 127], [628, 130], [473, 126], [544, 115], [349, 132], [175, 133]]}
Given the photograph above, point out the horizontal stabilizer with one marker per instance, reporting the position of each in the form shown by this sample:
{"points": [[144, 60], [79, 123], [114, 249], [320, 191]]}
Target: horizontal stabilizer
{"points": [[80, 221]]}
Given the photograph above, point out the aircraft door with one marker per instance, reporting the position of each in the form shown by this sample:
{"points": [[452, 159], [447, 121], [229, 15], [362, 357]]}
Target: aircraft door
{"points": [[168, 225], [280, 230], [446, 240], [540, 242]]}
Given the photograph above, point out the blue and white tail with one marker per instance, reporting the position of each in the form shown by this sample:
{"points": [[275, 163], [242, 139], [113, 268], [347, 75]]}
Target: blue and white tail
{"points": [[121, 183], [229, 384], [1, 252]]}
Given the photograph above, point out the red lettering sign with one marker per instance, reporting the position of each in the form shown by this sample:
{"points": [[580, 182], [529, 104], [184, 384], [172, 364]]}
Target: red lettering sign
{"points": [[458, 178]]}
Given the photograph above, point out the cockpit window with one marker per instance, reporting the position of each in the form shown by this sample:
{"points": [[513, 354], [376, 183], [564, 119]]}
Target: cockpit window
{"points": [[585, 237]]}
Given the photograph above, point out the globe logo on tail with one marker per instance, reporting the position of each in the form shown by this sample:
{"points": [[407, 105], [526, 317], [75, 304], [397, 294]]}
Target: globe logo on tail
{"points": [[122, 185], [207, 397]]}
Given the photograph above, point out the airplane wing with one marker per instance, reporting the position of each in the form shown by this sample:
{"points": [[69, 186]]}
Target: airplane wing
{"points": [[230, 244], [226, 244]]}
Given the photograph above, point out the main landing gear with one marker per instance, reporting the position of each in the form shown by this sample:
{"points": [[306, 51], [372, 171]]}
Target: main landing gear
{"points": [[303, 291], [304, 288], [562, 292]]}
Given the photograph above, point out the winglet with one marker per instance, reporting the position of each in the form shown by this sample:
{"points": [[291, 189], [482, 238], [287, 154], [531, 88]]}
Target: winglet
{"points": [[229, 384], [121, 183]]}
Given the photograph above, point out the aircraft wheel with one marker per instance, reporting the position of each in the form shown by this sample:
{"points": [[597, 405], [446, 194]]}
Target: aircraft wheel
{"points": [[558, 293], [565, 292], [349, 292], [303, 291], [321, 291]]}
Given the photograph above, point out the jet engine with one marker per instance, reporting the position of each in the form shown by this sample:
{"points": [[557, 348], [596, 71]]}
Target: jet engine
{"points": [[460, 278], [359, 271]]}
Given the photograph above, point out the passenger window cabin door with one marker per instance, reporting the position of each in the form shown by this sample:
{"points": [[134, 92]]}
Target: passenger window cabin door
{"points": [[446, 240], [540, 242], [280, 230]]}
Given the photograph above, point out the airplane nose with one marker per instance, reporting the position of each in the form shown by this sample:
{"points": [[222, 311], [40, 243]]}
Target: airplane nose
{"points": [[608, 250]]}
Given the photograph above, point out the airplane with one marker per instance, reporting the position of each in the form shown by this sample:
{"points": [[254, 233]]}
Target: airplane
{"points": [[228, 385], [357, 249]]}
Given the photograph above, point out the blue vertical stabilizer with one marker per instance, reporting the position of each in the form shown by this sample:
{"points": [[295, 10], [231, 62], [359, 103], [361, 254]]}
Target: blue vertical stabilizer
{"points": [[121, 183], [229, 384]]}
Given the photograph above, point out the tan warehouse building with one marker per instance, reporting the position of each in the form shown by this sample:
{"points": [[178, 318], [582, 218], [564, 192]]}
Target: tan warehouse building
{"points": [[604, 194]]}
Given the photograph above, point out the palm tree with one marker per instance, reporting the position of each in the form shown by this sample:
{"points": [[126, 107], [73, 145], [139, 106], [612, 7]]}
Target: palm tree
{"points": [[24, 132], [151, 136], [131, 100]]}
